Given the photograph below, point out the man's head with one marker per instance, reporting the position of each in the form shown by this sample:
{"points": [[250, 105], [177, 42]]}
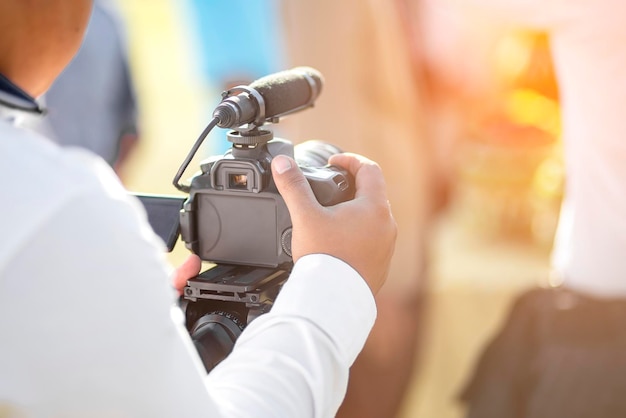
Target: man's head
{"points": [[39, 38]]}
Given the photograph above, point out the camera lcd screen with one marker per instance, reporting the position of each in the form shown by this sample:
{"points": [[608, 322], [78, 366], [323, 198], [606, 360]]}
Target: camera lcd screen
{"points": [[238, 228], [163, 216]]}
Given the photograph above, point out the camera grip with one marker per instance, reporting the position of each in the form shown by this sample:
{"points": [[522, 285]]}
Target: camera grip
{"points": [[330, 184]]}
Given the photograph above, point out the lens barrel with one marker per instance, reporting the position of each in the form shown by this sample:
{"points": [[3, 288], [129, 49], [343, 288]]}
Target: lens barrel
{"points": [[214, 336], [314, 153]]}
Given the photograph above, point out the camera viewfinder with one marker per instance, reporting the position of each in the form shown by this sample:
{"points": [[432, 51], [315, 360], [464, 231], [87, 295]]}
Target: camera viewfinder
{"points": [[238, 181]]}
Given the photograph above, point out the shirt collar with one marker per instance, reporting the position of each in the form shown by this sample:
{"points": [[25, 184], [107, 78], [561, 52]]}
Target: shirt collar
{"points": [[13, 97]]}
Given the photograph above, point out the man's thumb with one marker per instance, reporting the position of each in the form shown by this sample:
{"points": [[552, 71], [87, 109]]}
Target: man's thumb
{"points": [[293, 186]]}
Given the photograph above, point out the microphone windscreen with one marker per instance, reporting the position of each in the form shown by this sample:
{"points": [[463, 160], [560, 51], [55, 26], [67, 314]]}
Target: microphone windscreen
{"points": [[288, 90]]}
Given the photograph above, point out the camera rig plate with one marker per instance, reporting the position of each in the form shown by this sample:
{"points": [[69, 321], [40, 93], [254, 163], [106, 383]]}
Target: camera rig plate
{"points": [[246, 284]]}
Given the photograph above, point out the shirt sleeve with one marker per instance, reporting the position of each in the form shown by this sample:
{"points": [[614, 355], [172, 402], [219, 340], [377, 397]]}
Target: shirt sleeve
{"points": [[294, 360]]}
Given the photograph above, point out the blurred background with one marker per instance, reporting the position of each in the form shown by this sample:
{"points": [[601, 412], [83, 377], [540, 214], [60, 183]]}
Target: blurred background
{"points": [[463, 117]]}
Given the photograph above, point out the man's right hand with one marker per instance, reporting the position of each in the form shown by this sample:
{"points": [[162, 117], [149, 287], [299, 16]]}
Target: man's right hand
{"points": [[361, 232]]}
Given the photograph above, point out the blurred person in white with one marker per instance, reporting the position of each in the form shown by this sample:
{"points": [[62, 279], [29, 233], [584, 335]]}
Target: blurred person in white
{"points": [[89, 324], [560, 353], [92, 103]]}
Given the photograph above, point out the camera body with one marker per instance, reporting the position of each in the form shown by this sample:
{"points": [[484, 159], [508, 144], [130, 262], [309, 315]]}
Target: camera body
{"points": [[236, 218], [234, 213]]}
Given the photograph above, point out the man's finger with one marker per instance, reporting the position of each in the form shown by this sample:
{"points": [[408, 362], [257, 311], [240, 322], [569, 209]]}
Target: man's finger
{"points": [[293, 186], [190, 268]]}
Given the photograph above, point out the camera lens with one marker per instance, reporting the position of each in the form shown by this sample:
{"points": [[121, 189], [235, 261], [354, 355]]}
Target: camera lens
{"points": [[214, 336], [314, 153]]}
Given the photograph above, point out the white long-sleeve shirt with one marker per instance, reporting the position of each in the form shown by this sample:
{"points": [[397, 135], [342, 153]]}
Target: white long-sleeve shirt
{"points": [[88, 322], [587, 41]]}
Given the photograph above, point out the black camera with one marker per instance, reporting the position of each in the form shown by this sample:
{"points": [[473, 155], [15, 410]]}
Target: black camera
{"points": [[234, 216]]}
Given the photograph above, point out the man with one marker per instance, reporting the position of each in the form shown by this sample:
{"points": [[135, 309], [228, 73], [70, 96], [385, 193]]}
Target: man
{"points": [[88, 324], [381, 99]]}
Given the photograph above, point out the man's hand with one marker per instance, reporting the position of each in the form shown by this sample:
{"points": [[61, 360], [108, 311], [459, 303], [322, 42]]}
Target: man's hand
{"points": [[361, 232], [190, 268]]}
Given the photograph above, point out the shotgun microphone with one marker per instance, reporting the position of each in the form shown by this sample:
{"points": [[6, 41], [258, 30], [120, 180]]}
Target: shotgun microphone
{"points": [[269, 98]]}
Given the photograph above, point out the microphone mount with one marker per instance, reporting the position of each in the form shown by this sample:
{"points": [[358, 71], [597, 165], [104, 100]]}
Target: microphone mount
{"points": [[245, 109], [230, 108]]}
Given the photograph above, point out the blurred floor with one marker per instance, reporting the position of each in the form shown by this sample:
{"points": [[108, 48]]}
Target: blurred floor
{"points": [[473, 282]]}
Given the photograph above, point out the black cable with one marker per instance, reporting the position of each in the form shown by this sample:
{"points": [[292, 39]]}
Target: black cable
{"points": [[192, 153]]}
